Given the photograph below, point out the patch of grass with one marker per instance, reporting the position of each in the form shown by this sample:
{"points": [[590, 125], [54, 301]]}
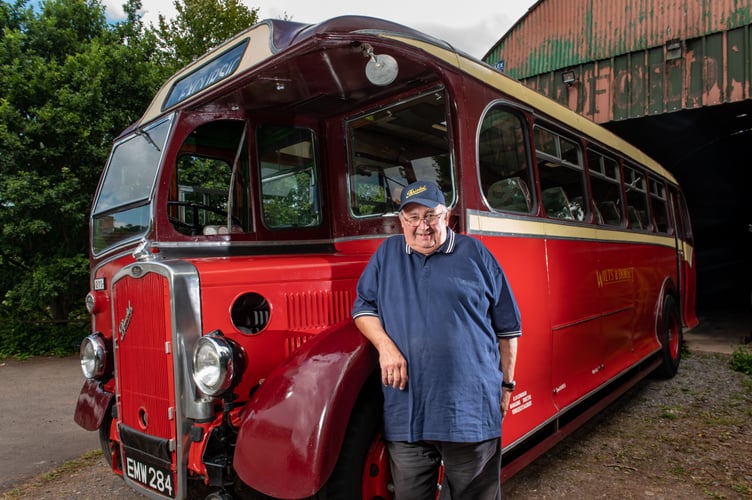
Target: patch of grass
{"points": [[670, 413], [713, 494], [744, 489], [679, 471], [68, 467], [741, 359], [714, 420]]}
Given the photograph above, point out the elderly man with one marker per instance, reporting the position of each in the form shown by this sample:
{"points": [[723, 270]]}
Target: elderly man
{"points": [[439, 310]]}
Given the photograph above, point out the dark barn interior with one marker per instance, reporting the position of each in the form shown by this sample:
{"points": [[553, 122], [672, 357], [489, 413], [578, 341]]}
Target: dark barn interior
{"points": [[708, 152]]}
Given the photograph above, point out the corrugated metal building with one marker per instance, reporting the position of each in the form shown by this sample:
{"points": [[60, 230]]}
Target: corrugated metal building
{"points": [[674, 78], [632, 58]]}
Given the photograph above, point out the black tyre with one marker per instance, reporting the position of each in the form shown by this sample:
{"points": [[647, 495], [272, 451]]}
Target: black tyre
{"points": [[671, 338], [345, 482], [104, 435]]}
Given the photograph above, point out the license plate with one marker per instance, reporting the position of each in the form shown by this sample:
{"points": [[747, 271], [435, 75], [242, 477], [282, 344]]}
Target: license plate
{"points": [[150, 476]]}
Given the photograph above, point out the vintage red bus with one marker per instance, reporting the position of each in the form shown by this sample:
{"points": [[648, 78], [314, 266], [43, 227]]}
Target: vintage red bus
{"points": [[232, 222]]}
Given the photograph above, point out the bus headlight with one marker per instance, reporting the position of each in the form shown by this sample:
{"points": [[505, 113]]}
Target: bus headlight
{"points": [[93, 355], [216, 363]]}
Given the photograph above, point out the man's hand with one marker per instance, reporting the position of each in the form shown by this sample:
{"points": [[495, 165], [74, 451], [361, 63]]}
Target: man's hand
{"points": [[393, 363], [393, 366], [506, 397]]}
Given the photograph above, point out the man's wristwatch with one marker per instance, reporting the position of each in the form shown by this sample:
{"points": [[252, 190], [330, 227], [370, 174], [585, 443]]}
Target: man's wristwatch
{"points": [[509, 385]]}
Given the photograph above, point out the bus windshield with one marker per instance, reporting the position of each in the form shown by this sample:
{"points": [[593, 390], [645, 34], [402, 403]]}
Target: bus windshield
{"points": [[121, 211]]}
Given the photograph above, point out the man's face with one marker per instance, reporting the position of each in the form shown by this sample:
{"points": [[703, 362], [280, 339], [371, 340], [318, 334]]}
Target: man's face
{"points": [[425, 229]]}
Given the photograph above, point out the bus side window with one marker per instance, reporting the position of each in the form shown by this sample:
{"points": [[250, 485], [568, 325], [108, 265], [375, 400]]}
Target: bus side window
{"points": [[635, 188], [562, 177], [396, 146], [503, 162], [289, 177], [200, 192], [605, 183], [659, 206], [610, 213]]}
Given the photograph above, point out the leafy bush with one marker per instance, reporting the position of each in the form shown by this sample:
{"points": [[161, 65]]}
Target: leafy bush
{"points": [[40, 339], [741, 359]]}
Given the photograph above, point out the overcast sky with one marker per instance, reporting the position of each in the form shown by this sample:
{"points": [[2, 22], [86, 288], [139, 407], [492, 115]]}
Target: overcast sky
{"points": [[472, 26]]}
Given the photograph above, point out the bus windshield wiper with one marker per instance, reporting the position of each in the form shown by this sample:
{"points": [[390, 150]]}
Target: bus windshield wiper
{"points": [[143, 133]]}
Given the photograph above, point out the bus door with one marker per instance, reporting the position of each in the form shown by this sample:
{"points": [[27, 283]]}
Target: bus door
{"points": [[685, 254]]}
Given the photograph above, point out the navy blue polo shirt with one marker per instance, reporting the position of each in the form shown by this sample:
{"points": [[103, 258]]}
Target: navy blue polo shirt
{"points": [[445, 311]]}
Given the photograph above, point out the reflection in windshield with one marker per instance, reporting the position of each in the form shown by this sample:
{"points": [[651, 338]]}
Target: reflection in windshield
{"points": [[122, 209], [132, 169]]}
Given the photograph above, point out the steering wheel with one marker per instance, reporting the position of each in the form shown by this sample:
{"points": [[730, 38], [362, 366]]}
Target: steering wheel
{"points": [[195, 228]]}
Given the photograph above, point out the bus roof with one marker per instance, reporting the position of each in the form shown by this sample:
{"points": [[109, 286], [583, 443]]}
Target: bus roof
{"points": [[262, 41]]}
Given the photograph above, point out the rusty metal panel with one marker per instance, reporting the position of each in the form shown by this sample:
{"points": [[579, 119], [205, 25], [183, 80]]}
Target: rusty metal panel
{"points": [[737, 65], [656, 88], [556, 34], [551, 36], [633, 57], [604, 91], [674, 85], [622, 90]]}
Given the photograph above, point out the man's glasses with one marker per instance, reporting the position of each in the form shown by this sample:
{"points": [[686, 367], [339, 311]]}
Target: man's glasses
{"points": [[430, 219]]}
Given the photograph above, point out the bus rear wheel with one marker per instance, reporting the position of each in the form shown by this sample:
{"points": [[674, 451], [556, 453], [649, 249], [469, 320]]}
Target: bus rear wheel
{"points": [[670, 337]]}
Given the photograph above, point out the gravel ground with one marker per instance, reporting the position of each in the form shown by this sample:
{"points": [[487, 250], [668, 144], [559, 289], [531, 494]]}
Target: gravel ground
{"points": [[685, 438]]}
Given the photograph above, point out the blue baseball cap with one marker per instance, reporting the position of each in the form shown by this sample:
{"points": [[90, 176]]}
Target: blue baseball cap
{"points": [[424, 193]]}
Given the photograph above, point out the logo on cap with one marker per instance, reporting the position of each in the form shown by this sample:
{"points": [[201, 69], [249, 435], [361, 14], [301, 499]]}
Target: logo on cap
{"points": [[415, 191]]}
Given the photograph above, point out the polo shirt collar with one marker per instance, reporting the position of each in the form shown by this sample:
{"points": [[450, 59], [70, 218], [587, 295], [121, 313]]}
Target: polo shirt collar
{"points": [[446, 247]]}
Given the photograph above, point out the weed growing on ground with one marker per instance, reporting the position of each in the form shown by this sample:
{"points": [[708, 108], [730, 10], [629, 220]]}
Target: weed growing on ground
{"points": [[741, 359]]}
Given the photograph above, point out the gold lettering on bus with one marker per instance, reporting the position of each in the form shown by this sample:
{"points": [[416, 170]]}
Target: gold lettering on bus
{"points": [[614, 275]]}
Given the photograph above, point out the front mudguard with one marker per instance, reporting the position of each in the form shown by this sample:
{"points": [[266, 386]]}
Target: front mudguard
{"points": [[92, 404], [291, 436]]}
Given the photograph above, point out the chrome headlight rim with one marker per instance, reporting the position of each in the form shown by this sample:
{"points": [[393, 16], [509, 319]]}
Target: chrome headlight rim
{"points": [[213, 365], [93, 356]]}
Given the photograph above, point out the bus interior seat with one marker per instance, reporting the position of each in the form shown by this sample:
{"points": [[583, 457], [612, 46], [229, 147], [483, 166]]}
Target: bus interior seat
{"points": [[610, 213], [212, 229], [511, 194], [634, 218], [597, 215], [577, 207], [556, 203]]}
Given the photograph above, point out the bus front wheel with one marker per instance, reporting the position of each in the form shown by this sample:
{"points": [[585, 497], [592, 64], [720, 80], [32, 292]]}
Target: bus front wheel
{"points": [[347, 481], [108, 450]]}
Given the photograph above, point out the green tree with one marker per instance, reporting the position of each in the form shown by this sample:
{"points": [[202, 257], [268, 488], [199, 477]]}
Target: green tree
{"points": [[200, 25], [69, 83]]}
